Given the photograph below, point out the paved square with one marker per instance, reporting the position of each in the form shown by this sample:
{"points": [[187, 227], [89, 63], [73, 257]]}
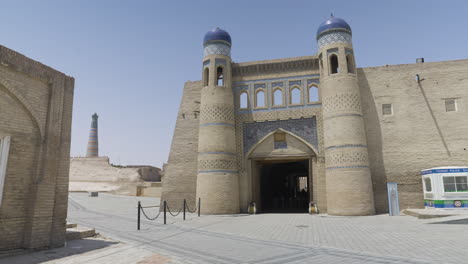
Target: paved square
{"points": [[263, 238]]}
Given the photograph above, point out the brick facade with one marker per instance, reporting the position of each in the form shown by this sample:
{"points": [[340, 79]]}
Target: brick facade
{"points": [[36, 103]]}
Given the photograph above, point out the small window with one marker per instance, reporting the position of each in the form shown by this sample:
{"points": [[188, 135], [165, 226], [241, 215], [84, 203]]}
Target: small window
{"points": [[313, 94], [334, 68], [280, 140], [244, 100], [455, 184], [278, 97], [296, 96], [206, 76], [428, 185], [4, 149], [450, 105], [387, 109], [260, 99], [219, 76], [350, 63]]}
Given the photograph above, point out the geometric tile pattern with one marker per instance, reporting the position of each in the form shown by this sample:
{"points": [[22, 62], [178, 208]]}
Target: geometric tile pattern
{"points": [[346, 158], [277, 84], [259, 85], [220, 61], [217, 49], [334, 37], [311, 81], [217, 112], [305, 128], [291, 83], [225, 164], [341, 102]]}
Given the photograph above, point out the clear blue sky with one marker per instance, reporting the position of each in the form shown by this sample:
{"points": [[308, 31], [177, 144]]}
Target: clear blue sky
{"points": [[130, 59]]}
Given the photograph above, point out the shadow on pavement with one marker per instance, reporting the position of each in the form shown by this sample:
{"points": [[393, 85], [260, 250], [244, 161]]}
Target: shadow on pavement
{"points": [[73, 247]]}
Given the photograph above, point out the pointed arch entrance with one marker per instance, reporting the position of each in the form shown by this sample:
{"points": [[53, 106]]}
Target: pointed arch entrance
{"points": [[281, 173]]}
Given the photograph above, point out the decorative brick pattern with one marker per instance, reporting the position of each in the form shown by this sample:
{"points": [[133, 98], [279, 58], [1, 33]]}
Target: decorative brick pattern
{"points": [[342, 102], [353, 158], [305, 128], [216, 113], [222, 164]]}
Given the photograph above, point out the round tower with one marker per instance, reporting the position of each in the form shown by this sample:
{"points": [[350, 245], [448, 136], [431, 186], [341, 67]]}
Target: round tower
{"points": [[217, 178], [93, 145], [348, 178]]}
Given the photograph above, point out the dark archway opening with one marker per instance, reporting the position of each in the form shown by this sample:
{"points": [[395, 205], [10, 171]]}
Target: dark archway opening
{"points": [[284, 186]]}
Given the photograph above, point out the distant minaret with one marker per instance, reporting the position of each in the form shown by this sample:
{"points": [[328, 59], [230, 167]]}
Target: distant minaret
{"points": [[93, 149]]}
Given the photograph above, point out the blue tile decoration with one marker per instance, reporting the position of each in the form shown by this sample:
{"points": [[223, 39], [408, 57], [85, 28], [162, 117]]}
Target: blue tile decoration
{"points": [[312, 81], [334, 37], [220, 61], [206, 63], [277, 84], [259, 85], [217, 49], [291, 83], [241, 87], [217, 34], [348, 51], [281, 145], [333, 23], [305, 128], [330, 51]]}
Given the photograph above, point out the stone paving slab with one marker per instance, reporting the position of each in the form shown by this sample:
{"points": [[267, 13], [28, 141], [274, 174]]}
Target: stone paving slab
{"points": [[268, 238]]}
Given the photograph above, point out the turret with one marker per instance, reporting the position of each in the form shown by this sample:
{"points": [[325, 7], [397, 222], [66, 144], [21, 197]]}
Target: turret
{"points": [[93, 147], [348, 179], [217, 178]]}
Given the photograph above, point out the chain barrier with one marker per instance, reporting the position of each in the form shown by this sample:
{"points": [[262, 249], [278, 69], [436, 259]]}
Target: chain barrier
{"points": [[174, 215], [166, 208], [147, 217], [190, 211]]}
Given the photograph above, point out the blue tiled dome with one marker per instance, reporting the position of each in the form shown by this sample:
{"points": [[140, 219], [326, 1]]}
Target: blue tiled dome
{"points": [[333, 22], [217, 34]]}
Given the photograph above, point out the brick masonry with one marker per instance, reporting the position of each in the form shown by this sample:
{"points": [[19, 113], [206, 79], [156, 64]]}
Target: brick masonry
{"points": [[36, 103]]}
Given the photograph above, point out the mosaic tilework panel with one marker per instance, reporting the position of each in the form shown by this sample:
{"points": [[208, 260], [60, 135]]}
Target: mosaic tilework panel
{"points": [[312, 81], [348, 51], [277, 84], [207, 62], [217, 49], [291, 83], [220, 61], [334, 37], [306, 128], [330, 51], [259, 85], [281, 145]]}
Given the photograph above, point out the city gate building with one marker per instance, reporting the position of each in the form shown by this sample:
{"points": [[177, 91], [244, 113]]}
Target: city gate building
{"points": [[286, 132]]}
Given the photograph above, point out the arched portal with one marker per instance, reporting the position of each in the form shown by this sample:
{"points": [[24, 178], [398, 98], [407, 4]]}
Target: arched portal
{"points": [[281, 174]]}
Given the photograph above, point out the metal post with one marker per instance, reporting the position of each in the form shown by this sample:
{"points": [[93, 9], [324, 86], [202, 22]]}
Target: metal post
{"points": [[165, 205], [139, 208], [199, 206], [185, 203]]}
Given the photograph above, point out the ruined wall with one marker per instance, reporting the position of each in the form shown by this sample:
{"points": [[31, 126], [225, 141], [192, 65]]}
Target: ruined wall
{"points": [[420, 133], [36, 103], [180, 173]]}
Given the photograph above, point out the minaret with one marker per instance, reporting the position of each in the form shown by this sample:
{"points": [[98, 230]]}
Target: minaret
{"points": [[348, 178], [217, 178], [93, 149]]}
